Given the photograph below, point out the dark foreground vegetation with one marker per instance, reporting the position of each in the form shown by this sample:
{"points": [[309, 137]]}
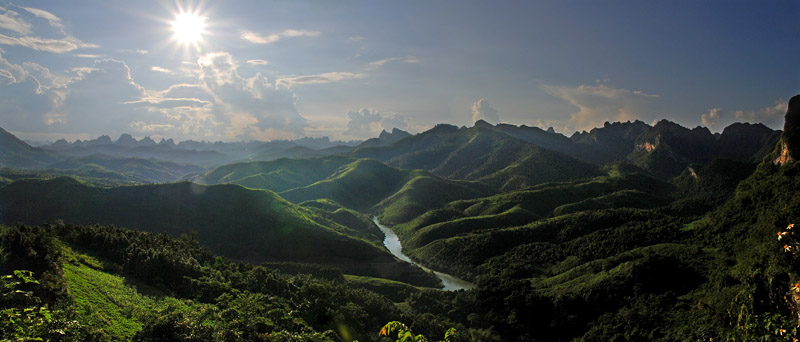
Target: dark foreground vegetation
{"points": [[626, 233], [613, 275]]}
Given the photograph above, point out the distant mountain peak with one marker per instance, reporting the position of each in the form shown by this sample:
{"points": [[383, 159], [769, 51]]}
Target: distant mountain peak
{"points": [[101, 140], [386, 138], [147, 141], [790, 141], [126, 140], [167, 142], [482, 123]]}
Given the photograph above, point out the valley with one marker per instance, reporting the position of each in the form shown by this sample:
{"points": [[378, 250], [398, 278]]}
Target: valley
{"points": [[392, 243], [626, 232]]}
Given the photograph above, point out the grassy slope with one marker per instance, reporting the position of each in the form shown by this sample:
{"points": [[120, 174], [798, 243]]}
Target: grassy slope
{"points": [[278, 175], [358, 185], [234, 221], [482, 219], [109, 303], [142, 170], [480, 153], [240, 223]]}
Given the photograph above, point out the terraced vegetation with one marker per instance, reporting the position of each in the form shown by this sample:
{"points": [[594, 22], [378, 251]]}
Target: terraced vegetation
{"points": [[627, 232]]}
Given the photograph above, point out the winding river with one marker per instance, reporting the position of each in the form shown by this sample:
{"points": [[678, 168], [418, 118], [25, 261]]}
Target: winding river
{"points": [[392, 242]]}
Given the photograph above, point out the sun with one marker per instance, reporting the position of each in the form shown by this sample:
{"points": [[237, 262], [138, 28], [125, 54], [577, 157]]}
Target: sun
{"points": [[188, 28]]}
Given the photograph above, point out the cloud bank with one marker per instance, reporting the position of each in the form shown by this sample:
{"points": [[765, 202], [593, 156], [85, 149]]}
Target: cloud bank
{"points": [[368, 123], [105, 99], [600, 103], [256, 38], [328, 77], [771, 116], [481, 110], [22, 31]]}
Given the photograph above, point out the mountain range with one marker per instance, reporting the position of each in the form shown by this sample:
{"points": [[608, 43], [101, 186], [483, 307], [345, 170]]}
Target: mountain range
{"points": [[628, 231]]}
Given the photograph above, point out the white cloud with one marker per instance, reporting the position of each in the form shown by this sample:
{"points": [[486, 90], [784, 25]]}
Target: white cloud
{"points": [[712, 118], [253, 107], [53, 20], [88, 55], [27, 92], [22, 32], [97, 100], [771, 116], [600, 103], [256, 38], [482, 111], [257, 62], [222, 105], [12, 21], [328, 77], [356, 38], [368, 123], [160, 69], [138, 52], [40, 44], [379, 63]]}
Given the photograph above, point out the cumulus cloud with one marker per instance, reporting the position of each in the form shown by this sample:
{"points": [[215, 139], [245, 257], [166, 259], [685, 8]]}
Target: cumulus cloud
{"points": [[253, 107], [379, 63], [600, 103], [103, 98], [712, 118], [97, 100], [482, 111], [328, 77], [222, 105], [93, 100], [257, 38], [368, 123], [771, 116], [25, 94]]}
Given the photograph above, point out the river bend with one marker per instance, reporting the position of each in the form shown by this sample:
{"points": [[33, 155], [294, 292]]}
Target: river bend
{"points": [[392, 242]]}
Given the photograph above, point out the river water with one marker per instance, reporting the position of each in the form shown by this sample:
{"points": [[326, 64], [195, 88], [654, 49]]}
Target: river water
{"points": [[392, 242]]}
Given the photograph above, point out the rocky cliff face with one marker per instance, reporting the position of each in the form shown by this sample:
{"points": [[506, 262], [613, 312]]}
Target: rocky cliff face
{"points": [[790, 140]]}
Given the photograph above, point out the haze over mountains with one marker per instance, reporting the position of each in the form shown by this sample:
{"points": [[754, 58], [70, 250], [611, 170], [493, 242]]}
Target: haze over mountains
{"points": [[579, 232], [630, 141]]}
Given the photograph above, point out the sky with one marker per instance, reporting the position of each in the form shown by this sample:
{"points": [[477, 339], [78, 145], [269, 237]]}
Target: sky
{"points": [[262, 70]]}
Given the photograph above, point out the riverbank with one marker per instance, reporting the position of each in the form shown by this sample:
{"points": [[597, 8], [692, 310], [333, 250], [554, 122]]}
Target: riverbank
{"points": [[392, 242]]}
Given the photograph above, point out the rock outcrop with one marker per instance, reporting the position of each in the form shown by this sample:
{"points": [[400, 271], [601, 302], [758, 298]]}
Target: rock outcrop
{"points": [[790, 140]]}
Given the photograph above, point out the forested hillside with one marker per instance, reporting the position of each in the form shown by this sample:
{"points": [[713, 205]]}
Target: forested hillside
{"points": [[663, 234]]}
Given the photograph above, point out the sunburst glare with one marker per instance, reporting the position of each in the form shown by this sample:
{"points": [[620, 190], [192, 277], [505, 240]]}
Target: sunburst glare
{"points": [[188, 28]]}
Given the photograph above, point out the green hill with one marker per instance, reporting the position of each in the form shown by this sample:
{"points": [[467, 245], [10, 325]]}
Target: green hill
{"points": [[278, 175], [358, 185], [16, 153], [96, 283], [140, 170], [480, 154], [252, 225]]}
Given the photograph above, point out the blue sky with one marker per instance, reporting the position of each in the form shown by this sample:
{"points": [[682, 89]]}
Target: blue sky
{"points": [[348, 69]]}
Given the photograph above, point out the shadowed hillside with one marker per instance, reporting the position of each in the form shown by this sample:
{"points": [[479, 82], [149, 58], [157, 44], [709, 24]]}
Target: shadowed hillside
{"points": [[252, 225]]}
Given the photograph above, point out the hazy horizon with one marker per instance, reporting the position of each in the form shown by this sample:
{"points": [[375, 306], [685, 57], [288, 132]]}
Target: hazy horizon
{"points": [[158, 139], [247, 70]]}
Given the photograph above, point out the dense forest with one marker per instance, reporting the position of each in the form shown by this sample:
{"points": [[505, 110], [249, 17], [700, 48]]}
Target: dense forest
{"points": [[629, 232]]}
